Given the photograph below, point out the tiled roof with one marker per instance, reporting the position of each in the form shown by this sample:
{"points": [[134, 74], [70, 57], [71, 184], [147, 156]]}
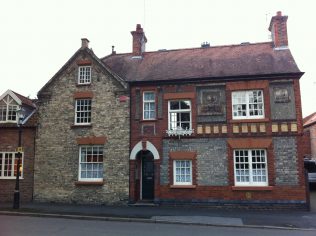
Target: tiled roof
{"points": [[212, 62], [309, 120], [25, 100]]}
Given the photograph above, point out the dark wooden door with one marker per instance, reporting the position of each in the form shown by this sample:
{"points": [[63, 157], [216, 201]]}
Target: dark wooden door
{"points": [[148, 176]]}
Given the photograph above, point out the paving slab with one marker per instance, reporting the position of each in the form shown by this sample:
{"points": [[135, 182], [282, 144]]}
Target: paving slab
{"points": [[208, 220]]}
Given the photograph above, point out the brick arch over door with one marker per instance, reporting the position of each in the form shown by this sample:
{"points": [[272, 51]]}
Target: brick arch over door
{"points": [[139, 147]]}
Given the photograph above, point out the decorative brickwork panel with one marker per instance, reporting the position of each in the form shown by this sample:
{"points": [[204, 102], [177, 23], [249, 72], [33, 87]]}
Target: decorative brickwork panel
{"points": [[285, 152], [148, 129], [211, 159], [282, 101]]}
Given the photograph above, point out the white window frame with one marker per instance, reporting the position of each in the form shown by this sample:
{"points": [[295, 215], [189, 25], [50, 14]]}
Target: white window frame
{"points": [[9, 109], [246, 96], [175, 182], [13, 159], [172, 127], [81, 112], [251, 170], [150, 111], [84, 75], [90, 163]]}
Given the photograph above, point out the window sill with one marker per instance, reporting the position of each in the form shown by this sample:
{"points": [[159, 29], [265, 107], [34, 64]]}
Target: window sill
{"points": [[10, 178], [82, 85], [252, 188], [82, 183], [183, 186], [80, 126], [249, 120], [148, 120], [8, 122]]}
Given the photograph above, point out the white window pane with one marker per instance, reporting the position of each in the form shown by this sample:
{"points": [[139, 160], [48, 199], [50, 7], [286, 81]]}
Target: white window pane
{"points": [[250, 166], [151, 106], [147, 106], [247, 104], [149, 96], [92, 162], [178, 178]]}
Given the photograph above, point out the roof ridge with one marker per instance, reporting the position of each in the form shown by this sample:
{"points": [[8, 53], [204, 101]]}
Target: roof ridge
{"points": [[194, 48]]}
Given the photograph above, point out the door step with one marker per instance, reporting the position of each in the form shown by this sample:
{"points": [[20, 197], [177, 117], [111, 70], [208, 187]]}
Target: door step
{"points": [[144, 203]]}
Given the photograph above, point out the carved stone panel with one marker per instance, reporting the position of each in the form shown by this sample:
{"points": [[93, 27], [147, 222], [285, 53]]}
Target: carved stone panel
{"points": [[282, 101], [211, 104], [281, 95]]}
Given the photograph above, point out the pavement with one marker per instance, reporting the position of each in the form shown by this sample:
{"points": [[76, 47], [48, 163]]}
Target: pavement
{"points": [[281, 219]]}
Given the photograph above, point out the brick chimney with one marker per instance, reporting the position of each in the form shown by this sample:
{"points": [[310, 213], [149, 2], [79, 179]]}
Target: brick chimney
{"points": [[139, 41], [278, 31], [84, 43]]}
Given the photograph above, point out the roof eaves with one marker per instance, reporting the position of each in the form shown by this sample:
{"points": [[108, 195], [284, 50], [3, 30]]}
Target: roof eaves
{"points": [[293, 75]]}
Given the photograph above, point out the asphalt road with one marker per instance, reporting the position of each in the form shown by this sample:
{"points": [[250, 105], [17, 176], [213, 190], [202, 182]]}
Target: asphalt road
{"points": [[35, 226]]}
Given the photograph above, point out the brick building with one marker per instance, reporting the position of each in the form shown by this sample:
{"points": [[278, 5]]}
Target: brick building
{"points": [[82, 146], [309, 147], [216, 124], [10, 102], [208, 125]]}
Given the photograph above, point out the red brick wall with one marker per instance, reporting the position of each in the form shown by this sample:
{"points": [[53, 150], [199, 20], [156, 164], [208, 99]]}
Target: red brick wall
{"points": [[313, 140], [289, 193], [167, 192], [298, 106], [8, 143], [306, 144]]}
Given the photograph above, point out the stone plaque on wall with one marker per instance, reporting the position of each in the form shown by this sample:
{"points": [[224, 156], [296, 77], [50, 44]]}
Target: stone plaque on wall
{"points": [[210, 103], [282, 101], [281, 95]]}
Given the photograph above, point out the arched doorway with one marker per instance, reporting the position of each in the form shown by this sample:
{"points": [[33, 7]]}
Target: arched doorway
{"points": [[144, 166], [146, 173]]}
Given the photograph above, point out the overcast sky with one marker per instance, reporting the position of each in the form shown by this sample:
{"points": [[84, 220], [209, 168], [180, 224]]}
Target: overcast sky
{"points": [[39, 36]]}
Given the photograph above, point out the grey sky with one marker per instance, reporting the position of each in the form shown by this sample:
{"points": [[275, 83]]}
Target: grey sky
{"points": [[38, 36]]}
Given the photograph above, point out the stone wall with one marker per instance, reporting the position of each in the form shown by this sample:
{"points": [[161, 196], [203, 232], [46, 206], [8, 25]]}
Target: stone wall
{"points": [[211, 159], [57, 152], [286, 166]]}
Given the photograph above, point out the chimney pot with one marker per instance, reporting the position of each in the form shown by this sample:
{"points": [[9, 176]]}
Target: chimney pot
{"points": [[84, 43], [113, 52]]}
